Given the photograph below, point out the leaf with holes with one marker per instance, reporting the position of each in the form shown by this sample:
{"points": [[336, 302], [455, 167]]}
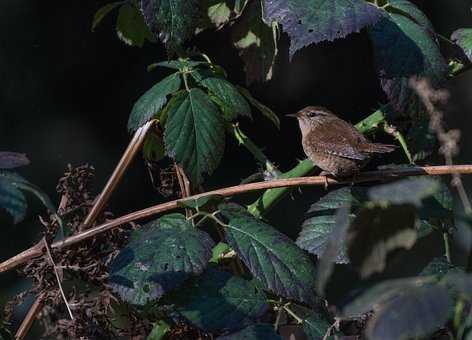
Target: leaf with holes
{"points": [[260, 331], [131, 28], [313, 21], [270, 256], [153, 101], [195, 135], [174, 21], [232, 103], [403, 49], [256, 42], [11, 160], [219, 301], [463, 38], [160, 257]]}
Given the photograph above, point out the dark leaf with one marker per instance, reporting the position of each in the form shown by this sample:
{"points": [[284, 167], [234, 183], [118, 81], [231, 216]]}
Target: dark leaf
{"points": [[174, 21], [153, 101], [254, 332], [130, 26], [313, 21], [408, 9], [315, 326], [256, 42], [414, 314], [268, 113], [160, 256], [178, 64], [153, 147], [11, 160], [463, 38], [421, 139], [195, 135], [439, 267], [270, 256], [103, 12], [218, 301], [377, 231]]}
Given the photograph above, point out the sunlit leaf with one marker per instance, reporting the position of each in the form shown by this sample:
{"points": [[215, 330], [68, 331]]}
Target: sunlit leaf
{"points": [[153, 101], [270, 256], [130, 26], [218, 301], [313, 21], [160, 257], [195, 135], [220, 12], [463, 38]]}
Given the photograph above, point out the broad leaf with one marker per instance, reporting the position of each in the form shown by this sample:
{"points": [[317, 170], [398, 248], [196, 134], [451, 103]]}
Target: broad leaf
{"points": [[377, 231], [254, 332], [270, 256], [153, 101], [103, 12], [160, 256], [403, 49], [130, 26], [11, 160], [218, 301], [315, 326], [174, 21], [463, 38], [415, 314], [313, 21], [220, 12], [410, 10], [228, 97], [256, 42], [195, 135]]}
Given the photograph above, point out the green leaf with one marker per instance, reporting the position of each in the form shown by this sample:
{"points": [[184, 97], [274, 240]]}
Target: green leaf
{"points": [[256, 42], [218, 301], [220, 12], [270, 256], [403, 49], [254, 332], [218, 250], [377, 231], [315, 326], [409, 10], [160, 256], [195, 135], [313, 21], [11, 160], [463, 38], [153, 101], [130, 26], [159, 330], [415, 314], [405, 191], [153, 147], [174, 21], [103, 12], [231, 101], [268, 113]]}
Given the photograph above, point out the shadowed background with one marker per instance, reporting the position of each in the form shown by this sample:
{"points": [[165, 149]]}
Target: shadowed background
{"points": [[66, 94]]}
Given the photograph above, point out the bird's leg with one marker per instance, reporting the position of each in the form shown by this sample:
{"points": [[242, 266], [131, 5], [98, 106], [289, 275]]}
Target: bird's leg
{"points": [[325, 174]]}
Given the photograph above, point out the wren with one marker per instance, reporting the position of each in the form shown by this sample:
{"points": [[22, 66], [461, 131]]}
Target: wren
{"points": [[333, 144]]}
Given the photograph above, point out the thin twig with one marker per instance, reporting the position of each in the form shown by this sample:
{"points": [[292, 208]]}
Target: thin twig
{"points": [[370, 176], [133, 147], [184, 185], [56, 272], [30, 317]]}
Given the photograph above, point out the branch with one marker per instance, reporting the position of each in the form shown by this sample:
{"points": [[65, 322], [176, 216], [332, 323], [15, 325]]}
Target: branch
{"points": [[380, 175]]}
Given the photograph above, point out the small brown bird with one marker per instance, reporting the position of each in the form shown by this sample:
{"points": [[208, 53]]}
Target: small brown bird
{"points": [[333, 144]]}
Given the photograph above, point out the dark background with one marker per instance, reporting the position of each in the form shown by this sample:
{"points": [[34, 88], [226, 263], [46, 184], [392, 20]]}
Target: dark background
{"points": [[66, 93]]}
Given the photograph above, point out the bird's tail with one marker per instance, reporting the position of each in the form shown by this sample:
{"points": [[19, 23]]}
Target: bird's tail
{"points": [[378, 148]]}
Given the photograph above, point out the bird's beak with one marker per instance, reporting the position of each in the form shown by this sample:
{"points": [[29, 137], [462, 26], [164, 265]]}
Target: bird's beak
{"points": [[292, 115]]}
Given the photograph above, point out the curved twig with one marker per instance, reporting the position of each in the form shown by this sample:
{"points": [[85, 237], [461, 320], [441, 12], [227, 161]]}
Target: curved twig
{"points": [[380, 175]]}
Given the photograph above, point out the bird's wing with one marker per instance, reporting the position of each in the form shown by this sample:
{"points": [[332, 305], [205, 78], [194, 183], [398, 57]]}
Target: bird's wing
{"points": [[340, 139]]}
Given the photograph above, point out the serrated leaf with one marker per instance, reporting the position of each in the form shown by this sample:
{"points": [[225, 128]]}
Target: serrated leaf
{"points": [[256, 42], [268, 113], [218, 301], [231, 101], [195, 135], [103, 12], [405, 191], [403, 49], [11, 160], [313, 21], [270, 256], [130, 26], [415, 314], [377, 231], [463, 38], [254, 332], [174, 21], [160, 256], [151, 102]]}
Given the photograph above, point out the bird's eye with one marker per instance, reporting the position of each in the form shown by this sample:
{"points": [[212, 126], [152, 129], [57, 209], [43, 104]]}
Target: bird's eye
{"points": [[312, 114]]}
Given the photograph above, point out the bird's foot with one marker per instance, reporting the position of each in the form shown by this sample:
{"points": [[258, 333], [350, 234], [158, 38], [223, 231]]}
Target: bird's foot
{"points": [[325, 174]]}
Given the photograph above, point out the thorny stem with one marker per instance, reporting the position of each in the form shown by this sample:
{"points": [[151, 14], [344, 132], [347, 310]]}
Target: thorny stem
{"points": [[368, 176]]}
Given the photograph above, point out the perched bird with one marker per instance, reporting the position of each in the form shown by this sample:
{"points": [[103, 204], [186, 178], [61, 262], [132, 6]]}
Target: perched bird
{"points": [[333, 144]]}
